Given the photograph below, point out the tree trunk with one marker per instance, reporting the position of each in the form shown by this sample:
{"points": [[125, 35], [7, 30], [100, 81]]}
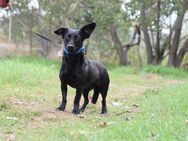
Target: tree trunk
{"points": [[48, 48], [10, 25], [30, 32], [176, 38], [181, 54], [123, 56], [146, 36], [139, 56], [157, 46], [122, 53]]}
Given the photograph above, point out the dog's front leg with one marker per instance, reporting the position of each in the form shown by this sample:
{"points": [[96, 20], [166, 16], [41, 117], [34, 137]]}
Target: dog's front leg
{"points": [[77, 101], [64, 97]]}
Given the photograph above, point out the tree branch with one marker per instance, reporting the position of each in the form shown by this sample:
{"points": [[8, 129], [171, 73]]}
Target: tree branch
{"points": [[133, 43]]}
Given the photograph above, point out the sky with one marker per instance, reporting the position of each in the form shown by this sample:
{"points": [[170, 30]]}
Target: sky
{"points": [[33, 4]]}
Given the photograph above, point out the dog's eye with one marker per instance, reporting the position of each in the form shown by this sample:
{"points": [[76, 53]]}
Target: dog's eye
{"points": [[66, 39], [77, 39]]}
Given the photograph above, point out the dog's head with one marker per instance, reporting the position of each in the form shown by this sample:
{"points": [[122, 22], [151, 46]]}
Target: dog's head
{"points": [[73, 38]]}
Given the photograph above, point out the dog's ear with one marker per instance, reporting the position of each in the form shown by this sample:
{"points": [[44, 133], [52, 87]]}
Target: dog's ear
{"points": [[61, 31], [87, 30]]}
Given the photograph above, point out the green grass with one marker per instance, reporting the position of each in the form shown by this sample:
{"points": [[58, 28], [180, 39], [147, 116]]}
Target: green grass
{"points": [[166, 71], [151, 104]]}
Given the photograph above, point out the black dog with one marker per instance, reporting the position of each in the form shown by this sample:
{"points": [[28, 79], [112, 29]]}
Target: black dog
{"points": [[79, 72]]}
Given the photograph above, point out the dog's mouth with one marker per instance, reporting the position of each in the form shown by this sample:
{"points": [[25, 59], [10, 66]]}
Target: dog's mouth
{"points": [[71, 49]]}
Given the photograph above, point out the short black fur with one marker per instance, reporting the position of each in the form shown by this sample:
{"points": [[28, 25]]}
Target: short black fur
{"points": [[79, 72]]}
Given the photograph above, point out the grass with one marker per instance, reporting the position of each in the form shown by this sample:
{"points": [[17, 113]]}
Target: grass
{"points": [[144, 104]]}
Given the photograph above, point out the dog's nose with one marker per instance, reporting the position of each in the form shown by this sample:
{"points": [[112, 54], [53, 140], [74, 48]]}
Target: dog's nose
{"points": [[70, 48]]}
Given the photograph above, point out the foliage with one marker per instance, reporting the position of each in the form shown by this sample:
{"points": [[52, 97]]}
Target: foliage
{"points": [[119, 14]]}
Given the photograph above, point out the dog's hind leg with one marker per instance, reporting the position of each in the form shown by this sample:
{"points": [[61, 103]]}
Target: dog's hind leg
{"points": [[86, 100], [64, 97], [95, 95], [103, 92]]}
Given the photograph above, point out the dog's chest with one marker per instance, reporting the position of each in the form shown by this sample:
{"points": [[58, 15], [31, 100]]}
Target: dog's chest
{"points": [[78, 76], [74, 80]]}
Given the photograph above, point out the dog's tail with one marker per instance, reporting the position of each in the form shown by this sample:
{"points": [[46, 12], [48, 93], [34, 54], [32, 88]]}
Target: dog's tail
{"points": [[95, 95]]}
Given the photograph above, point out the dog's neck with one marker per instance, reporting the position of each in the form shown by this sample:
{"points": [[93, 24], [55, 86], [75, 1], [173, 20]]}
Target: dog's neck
{"points": [[73, 62]]}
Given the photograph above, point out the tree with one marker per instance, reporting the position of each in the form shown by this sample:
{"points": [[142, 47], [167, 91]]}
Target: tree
{"points": [[153, 15], [111, 21], [175, 57], [152, 27]]}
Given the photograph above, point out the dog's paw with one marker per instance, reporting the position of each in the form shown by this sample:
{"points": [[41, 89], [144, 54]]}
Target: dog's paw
{"points": [[61, 107], [76, 111], [104, 111]]}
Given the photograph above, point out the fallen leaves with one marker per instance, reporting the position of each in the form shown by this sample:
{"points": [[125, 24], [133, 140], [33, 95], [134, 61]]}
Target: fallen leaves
{"points": [[104, 124], [136, 105], [135, 108], [81, 116]]}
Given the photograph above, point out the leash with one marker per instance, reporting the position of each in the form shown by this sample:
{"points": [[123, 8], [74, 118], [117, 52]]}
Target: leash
{"points": [[82, 50], [26, 27]]}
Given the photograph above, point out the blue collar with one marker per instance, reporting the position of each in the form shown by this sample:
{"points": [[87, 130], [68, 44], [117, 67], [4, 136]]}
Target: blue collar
{"points": [[80, 51]]}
